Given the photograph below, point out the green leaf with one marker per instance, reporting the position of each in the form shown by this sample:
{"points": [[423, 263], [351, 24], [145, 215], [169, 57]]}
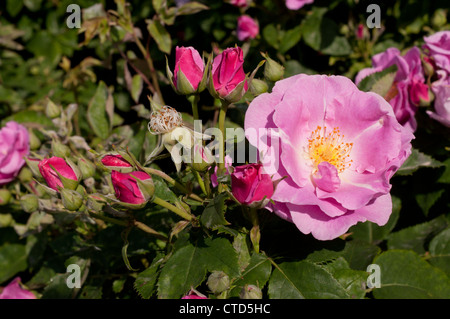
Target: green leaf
{"points": [[14, 6], [290, 39], [191, 7], [145, 283], [416, 237], [256, 273], [213, 214], [353, 281], [378, 80], [163, 191], [303, 279], [440, 251], [371, 232], [28, 116], [160, 35], [97, 115], [271, 35], [136, 87], [417, 160], [445, 177], [405, 275], [188, 265], [427, 200], [13, 259]]}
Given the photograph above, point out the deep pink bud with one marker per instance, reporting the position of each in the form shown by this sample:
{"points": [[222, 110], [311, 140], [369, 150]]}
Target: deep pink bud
{"points": [[50, 168], [249, 184], [126, 187], [239, 3], [418, 92], [247, 28], [14, 291], [115, 161], [188, 61], [228, 72]]}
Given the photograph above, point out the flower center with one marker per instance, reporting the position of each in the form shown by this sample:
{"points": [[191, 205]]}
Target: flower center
{"points": [[329, 147], [164, 120]]}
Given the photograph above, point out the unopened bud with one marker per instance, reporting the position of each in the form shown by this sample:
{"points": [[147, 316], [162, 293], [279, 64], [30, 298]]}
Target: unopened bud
{"points": [[35, 142], [273, 71], [5, 196], [29, 203], [59, 149], [87, 168], [258, 87], [52, 110], [218, 282], [250, 292], [72, 200], [439, 18], [25, 175]]}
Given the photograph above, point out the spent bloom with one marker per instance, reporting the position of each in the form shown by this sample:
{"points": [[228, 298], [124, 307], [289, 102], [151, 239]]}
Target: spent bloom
{"points": [[14, 146], [408, 89], [337, 148], [247, 28]]}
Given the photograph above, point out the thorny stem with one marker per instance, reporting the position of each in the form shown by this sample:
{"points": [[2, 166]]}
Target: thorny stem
{"points": [[172, 208]]}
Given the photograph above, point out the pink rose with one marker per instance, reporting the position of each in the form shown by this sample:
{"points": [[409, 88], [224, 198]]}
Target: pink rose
{"points": [[441, 90], [409, 86], [249, 184], [239, 3], [114, 160], [337, 146], [127, 188], [14, 291], [14, 146], [297, 4], [188, 66], [438, 46], [50, 168], [228, 74], [247, 28], [194, 294]]}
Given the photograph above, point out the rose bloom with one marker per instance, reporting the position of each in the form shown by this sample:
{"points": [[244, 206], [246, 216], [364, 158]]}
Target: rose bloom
{"points": [[409, 86], [337, 146], [14, 146], [50, 167], [297, 4], [441, 90], [438, 46], [14, 291], [247, 28]]}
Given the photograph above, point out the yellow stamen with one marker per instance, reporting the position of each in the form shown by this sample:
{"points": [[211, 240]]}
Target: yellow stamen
{"points": [[329, 147]]}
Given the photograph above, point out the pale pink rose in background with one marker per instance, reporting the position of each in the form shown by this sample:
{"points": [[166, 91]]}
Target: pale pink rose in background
{"points": [[297, 4], [409, 84], [14, 291], [338, 148], [247, 28], [438, 45], [441, 90], [14, 147]]}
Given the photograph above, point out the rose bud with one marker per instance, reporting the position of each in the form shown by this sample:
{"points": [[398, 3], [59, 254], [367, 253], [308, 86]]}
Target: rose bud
{"points": [[87, 168], [59, 173], [194, 294], [189, 74], [247, 28], [71, 200], [250, 186], [419, 93], [52, 110], [133, 188], [218, 282], [29, 203], [228, 80], [258, 87], [5, 196], [59, 149], [273, 71], [116, 162], [250, 292], [202, 158]]}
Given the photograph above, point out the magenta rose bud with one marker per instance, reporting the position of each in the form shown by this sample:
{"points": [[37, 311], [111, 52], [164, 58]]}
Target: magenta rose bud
{"points": [[128, 189], [58, 173], [297, 4], [115, 161], [228, 76], [250, 185], [14, 146], [14, 291], [239, 3], [189, 70], [247, 28]]}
